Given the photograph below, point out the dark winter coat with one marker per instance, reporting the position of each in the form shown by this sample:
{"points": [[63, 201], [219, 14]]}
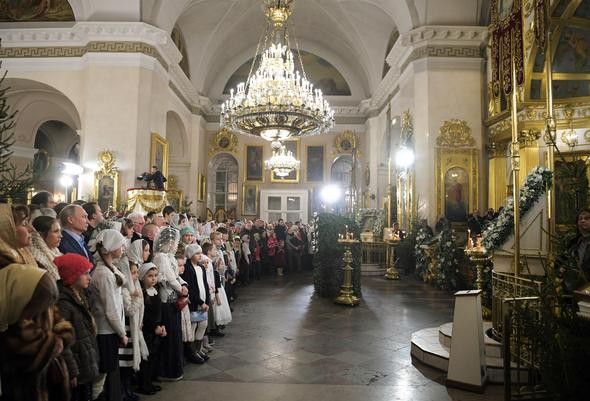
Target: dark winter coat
{"points": [[195, 297], [82, 357]]}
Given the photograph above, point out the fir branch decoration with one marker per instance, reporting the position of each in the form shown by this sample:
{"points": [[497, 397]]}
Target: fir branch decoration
{"points": [[448, 265], [423, 237], [534, 187], [14, 183]]}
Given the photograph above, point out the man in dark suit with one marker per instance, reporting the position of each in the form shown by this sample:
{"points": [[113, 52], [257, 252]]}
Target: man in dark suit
{"points": [[74, 222], [158, 178]]}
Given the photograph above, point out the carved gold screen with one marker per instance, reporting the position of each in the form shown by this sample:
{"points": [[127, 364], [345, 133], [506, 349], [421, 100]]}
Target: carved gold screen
{"points": [[456, 171]]}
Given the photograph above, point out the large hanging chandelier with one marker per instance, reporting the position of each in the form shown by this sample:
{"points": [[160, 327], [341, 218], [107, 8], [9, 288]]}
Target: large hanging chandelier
{"points": [[277, 102], [282, 161]]}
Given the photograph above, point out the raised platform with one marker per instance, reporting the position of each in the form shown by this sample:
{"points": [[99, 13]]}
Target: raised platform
{"points": [[432, 346]]}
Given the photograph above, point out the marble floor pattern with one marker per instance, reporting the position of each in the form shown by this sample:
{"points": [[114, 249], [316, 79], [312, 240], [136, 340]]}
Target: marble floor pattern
{"points": [[287, 344]]}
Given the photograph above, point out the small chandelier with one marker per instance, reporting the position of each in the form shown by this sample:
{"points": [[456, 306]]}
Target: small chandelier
{"points": [[282, 161], [277, 102]]}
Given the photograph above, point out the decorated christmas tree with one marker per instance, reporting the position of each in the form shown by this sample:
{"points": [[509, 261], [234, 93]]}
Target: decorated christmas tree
{"points": [[14, 182]]}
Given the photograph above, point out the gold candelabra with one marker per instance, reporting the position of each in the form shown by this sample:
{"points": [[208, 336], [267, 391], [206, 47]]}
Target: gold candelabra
{"points": [[391, 273], [479, 257], [346, 296]]}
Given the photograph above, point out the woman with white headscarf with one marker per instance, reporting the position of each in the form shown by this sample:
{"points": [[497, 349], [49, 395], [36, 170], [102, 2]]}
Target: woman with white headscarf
{"points": [[131, 355], [172, 286], [107, 309]]}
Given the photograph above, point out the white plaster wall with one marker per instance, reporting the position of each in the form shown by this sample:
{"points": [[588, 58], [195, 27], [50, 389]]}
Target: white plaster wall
{"points": [[435, 91]]}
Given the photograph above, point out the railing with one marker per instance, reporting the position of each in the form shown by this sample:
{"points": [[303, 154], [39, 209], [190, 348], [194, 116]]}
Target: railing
{"points": [[522, 380], [374, 253], [508, 286]]}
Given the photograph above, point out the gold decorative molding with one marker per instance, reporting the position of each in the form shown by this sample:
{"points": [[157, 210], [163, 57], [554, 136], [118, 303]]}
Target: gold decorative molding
{"points": [[224, 141], [455, 133], [497, 149], [345, 143], [529, 138], [106, 181], [79, 51]]}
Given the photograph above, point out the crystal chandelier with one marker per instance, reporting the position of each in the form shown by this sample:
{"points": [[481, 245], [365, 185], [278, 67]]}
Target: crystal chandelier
{"points": [[282, 161], [277, 102]]}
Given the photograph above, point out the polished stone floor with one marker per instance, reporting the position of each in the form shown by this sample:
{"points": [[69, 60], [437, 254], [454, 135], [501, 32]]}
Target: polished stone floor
{"points": [[287, 344]]}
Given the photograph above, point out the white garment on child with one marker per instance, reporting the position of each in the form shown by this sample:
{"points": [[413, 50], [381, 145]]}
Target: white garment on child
{"points": [[222, 312]]}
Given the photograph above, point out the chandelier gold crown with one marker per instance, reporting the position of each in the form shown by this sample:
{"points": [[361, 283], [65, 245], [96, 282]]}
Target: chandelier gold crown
{"points": [[277, 102]]}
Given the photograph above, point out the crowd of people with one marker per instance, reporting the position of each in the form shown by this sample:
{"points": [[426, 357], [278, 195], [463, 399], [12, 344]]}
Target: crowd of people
{"points": [[97, 307]]}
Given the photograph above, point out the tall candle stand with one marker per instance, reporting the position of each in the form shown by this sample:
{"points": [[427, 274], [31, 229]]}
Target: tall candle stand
{"points": [[347, 296], [391, 273], [479, 257]]}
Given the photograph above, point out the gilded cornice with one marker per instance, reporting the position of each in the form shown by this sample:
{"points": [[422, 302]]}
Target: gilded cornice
{"points": [[497, 149]]}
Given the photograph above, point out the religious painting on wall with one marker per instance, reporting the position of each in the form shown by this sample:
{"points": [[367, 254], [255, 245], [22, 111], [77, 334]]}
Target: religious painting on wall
{"points": [[36, 10], [250, 200], [315, 164], [571, 189], [106, 181], [293, 176], [106, 191], [254, 165], [159, 154], [456, 186]]}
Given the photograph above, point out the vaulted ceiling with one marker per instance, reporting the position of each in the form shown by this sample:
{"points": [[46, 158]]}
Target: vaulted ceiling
{"points": [[352, 35]]}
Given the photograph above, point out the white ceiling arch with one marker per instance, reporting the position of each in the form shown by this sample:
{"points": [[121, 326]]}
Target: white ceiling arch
{"points": [[351, 34]]}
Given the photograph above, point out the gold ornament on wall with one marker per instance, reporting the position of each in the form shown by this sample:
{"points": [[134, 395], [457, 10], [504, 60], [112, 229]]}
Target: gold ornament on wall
{"points": [[106, 181], [455, 133], [224, 141], [345, 142]]}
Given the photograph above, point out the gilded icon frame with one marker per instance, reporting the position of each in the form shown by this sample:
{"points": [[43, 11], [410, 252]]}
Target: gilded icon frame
{"points": [[159, 153], [250, 199]]}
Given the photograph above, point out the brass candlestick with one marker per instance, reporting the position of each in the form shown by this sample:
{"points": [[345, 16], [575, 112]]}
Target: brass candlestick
{"points": [[346, 296], [391, 273], [478, 256]]}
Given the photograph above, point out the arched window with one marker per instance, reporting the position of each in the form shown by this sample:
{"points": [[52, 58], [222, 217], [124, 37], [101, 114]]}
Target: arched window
{"points": [[223, 183]]}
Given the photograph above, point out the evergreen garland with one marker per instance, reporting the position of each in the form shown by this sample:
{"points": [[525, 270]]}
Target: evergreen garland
{"points": [[423, 237], [448, 265], [327, 261], [535, 185], [14, 183]]}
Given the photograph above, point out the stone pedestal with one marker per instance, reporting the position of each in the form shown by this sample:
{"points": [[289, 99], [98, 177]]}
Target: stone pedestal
{"points": [[467, 361]]}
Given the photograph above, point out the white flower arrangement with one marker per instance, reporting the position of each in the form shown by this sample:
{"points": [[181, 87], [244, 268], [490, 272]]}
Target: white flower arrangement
{"points": [[535, 185]]}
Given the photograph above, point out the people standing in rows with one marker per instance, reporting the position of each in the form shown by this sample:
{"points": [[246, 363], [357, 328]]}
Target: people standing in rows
{"points": [[45, 241], [32, 336], [108, 310], [198, 290], [43, 199], [171, 351], [94, 216], [153, 328], [294, 249], [74, 222], [74, 306], [130, 356]]}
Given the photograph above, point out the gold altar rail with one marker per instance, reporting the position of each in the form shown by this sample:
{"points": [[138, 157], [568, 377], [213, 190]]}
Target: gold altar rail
{"points": [[508, 286], [520, 349], [374, 253]]}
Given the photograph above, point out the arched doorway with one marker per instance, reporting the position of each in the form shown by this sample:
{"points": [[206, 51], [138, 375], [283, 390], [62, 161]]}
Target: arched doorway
{"points": [[46, 132]]}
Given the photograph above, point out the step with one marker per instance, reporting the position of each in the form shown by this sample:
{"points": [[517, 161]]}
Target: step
{"points": [[372, 270], [427, 346], [493, 347]]}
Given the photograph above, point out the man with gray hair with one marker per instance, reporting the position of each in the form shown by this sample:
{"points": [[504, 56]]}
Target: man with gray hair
{"points": [[138, 223], [74, 222]]}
